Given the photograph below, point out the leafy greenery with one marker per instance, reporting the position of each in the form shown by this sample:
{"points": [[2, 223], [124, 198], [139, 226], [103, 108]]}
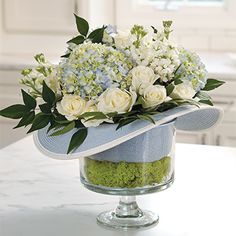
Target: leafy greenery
{"points": [[212, 84], [40, 121], [48, 95], [66, 129], [95, 36], [169, 89], [82, 25], [14, 112], [77, 139], [27, 119], [29, 101], [46, 108], [77, 40], [204, 98]]}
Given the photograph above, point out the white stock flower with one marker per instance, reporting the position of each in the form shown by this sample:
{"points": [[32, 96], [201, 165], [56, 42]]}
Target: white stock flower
{"points": [[116, 100], [71, 106], [153, 95], [183, 91], [52, 81], [142, 76]]}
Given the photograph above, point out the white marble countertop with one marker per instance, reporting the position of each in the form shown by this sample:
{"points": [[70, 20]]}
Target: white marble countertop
{"points": [[44, 197], [219, 64]]}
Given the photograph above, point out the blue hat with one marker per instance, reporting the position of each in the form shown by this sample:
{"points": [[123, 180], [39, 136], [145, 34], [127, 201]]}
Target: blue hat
{"points": [[105, 136]]}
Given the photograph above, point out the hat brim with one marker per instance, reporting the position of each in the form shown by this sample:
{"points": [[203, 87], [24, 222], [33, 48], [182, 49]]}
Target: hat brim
{"points": [[105, 136]]}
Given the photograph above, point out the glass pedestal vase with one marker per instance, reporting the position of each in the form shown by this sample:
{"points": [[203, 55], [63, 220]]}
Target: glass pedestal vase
{"points": [[142, 165], [127, 215]]}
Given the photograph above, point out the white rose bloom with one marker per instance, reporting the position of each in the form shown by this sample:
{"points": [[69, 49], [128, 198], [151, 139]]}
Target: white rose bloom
{"points": [[71, 106], [116, 100], [153, 95], [142, 75], [122, 40], [91, 107], [183, 91]]}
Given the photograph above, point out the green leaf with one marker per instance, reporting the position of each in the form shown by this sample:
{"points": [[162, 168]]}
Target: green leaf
{"points": [[82, 25], [178, 68], [124, 122], [54, 125], [79, 124], [167, 105], [40, 121], [187, 101], [208, 102], [212, 84], [63, 122], [177, 81], [29, 101], [77, 139], [14, 112], [146, 117], [139, 100], [66, 129], [111, 114], [96, 114], [46, 108], [97, 35], [65, 55], [47, 94], [203, 96], [26, 119], [169, 89], [77, 40]]}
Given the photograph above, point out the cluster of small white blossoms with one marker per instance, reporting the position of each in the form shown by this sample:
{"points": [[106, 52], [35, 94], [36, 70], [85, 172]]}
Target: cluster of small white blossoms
{"points": [[151, 49], [33, 77]]}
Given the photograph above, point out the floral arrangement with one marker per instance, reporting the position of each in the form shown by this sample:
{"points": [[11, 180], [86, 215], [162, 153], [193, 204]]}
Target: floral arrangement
{"points": [[107, 76]]}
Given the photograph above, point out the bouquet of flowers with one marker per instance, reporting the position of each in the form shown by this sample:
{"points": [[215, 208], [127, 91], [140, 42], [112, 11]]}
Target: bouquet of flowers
{"points": [[107, 76]]}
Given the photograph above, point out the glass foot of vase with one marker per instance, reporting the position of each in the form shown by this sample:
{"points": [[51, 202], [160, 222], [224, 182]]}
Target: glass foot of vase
{"points": [[127, 216]]}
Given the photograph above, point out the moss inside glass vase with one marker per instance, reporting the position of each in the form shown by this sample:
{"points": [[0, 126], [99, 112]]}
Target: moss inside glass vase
{"points": [[127, 174]]}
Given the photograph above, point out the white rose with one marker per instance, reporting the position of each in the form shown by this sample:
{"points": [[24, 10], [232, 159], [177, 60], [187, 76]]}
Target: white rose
{"points": [[142, 76], [116, 100], [121, 40], [71, 106], [183, 91], [153, 95], [91, 107]]}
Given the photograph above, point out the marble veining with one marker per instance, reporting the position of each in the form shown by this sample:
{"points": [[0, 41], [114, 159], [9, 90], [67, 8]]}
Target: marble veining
{"points": [[40, 196]]}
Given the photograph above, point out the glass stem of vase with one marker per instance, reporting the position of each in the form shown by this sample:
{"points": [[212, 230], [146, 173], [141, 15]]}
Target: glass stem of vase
{"points": [[128, 207]]}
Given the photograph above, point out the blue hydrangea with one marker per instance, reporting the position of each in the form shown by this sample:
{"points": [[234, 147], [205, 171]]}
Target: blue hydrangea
{"points": [[92, 68], [192, 69]]}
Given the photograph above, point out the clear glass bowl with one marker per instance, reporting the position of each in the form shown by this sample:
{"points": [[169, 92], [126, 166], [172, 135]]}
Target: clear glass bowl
{"points": [[144, 164]]}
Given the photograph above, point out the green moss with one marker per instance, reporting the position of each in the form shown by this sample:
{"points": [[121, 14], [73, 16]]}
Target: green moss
{"points": [[127, 174]]}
